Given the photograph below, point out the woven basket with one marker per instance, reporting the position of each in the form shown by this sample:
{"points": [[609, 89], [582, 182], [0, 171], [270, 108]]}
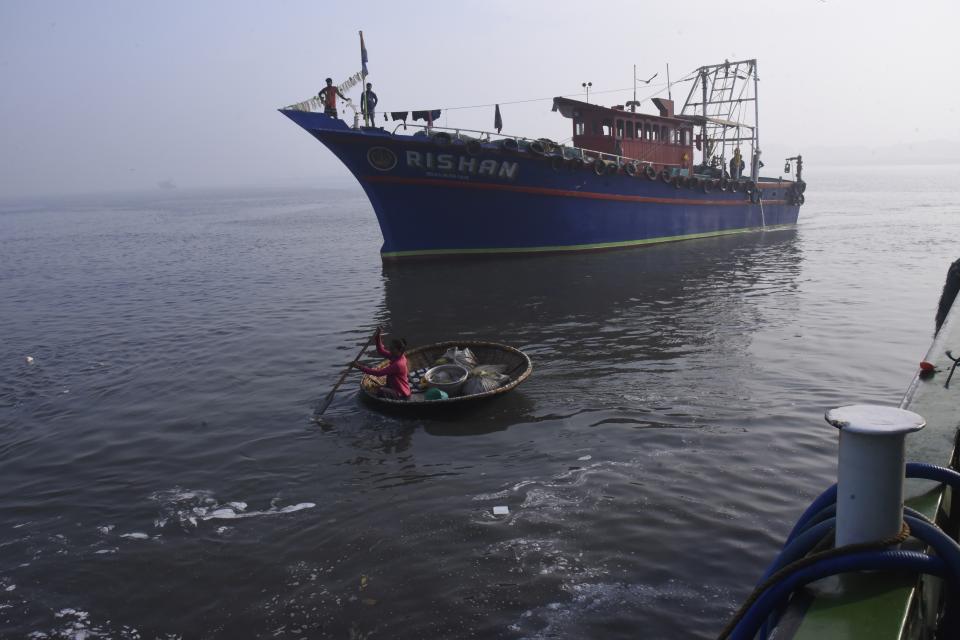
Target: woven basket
{"points": [[518, 368]]}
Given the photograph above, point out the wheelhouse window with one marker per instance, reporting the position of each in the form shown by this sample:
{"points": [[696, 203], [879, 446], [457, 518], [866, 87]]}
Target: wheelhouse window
{"points": [[630, 128], [607, 127], [579, 127], [620, 129]]}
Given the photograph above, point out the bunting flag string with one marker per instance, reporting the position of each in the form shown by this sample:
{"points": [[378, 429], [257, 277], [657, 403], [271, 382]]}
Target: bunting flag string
{"points": [[310, 104], [350, 82], [314, 103]]}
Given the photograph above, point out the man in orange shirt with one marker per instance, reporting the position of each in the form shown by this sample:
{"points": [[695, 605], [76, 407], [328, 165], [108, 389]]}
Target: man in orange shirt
{"points": [[328, 96]]}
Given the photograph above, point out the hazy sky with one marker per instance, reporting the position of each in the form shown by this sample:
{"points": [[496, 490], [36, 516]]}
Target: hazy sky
{"points": [[119, 95]]}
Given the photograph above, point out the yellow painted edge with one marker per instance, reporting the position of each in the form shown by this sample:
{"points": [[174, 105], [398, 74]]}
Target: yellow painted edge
{"points": [[578, 247]]}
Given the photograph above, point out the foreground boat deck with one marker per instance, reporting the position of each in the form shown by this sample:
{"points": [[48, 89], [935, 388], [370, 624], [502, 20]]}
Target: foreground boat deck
{"points": [[881, 606]]}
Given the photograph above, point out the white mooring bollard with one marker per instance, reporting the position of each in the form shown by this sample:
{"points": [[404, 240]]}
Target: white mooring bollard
{"points": [[870, 470]]}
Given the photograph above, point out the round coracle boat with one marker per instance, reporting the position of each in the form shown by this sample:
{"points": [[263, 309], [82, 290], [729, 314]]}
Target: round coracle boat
{"points": [[490, 364]]}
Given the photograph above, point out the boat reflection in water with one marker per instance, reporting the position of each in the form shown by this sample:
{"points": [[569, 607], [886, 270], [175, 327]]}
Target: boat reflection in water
{"points": [[593, 323]]}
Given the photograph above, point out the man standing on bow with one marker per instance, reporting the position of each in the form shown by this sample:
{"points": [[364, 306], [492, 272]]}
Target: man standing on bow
{"points": [[328, 96], [368, 103]]}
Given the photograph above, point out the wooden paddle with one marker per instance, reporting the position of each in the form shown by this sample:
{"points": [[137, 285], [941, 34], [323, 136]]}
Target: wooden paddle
{"points": [[326, 403]]}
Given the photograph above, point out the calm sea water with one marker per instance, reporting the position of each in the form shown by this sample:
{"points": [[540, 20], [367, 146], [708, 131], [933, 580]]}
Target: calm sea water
{"points": [[162, 476]]}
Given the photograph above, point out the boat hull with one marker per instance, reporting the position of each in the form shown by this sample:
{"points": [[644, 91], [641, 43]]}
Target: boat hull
{"points": [[437, 197]]}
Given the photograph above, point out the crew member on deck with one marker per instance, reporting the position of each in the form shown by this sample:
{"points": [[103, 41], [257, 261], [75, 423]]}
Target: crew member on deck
{"points": [[398, 385], [368, 103], [736, 165], [328, 96]]}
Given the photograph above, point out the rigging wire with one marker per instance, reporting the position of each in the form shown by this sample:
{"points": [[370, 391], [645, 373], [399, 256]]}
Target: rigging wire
{"points": [[663, 87]]}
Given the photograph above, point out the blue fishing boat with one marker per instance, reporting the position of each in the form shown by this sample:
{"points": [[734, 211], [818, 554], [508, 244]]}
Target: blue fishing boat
{"points": [[626, 178]]}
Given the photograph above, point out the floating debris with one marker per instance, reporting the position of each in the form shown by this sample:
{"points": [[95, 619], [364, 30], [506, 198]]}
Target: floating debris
{"points": [[135, 536]]}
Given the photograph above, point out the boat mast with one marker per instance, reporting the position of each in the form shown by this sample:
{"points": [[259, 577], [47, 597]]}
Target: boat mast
{"points": [[363, 80], [703, 128], [720, 106], [756, 125]]}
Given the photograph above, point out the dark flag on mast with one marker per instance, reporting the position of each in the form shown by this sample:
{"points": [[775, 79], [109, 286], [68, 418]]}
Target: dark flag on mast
{"points": [[497, 120], [363, 55]]}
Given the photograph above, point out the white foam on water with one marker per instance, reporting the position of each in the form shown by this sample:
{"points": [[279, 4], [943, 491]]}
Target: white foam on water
{"points": [[569, 478], [230, 514], [597, 601], [105, 529], [504, 492], [298, 507], [136, 535], [223, 514], [548, 500], [11, 588], [76, 625], [190, 507], [544, 557]]}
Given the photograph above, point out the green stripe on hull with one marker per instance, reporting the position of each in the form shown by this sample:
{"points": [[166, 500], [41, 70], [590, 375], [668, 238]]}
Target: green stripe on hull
{"points": [[575, 247]]}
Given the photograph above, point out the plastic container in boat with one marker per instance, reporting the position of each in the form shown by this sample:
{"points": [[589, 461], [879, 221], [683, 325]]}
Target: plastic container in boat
{"points": [[447, 377]]}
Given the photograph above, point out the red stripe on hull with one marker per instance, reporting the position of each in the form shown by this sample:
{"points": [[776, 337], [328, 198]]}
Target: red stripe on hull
{"points": [[560, 193]]}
